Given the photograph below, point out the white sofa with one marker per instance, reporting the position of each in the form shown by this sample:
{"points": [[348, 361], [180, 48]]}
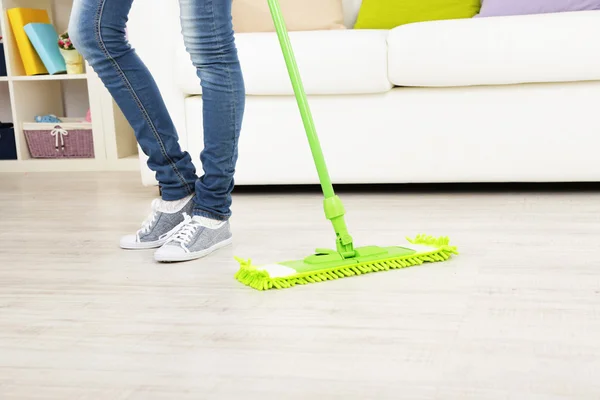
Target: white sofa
{"points": [[508, 99]]}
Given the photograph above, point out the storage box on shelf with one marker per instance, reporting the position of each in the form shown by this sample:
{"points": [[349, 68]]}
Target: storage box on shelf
{"points": [[3, 72], [8, 149], [70, 138], [107, 143]]}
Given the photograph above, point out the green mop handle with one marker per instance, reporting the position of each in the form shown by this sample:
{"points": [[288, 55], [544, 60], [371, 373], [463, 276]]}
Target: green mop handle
{"points": [[334, 210]]}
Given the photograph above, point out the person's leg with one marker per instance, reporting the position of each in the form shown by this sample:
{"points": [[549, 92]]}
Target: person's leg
{"points": [[97, 29], [209, 39]]}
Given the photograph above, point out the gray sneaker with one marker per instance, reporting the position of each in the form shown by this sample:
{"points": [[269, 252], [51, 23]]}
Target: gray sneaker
{"points": [[197, 237], [165, 219]]}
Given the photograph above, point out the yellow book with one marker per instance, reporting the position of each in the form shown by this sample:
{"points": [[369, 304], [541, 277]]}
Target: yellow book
{"points": [[19, 17]]}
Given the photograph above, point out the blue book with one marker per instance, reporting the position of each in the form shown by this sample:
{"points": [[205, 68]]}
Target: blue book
{"points": [[44, 39]]}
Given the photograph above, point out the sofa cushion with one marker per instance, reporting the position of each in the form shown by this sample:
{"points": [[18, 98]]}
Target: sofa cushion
{"points": [[497, 50], [305, 15], [351, 10], [330, 62], [497, 8], [387, 14]]}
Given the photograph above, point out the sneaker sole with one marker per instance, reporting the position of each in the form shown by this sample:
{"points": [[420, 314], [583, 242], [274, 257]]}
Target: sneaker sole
{"points": [[193, 256], [143, 245]]}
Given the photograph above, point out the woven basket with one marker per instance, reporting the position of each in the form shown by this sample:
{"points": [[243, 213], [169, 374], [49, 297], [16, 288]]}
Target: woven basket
{"points": [[68, 139]]}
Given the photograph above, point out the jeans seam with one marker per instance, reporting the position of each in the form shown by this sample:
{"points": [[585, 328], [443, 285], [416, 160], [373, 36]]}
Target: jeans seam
{"points": [[136, 99], [229, 81]]}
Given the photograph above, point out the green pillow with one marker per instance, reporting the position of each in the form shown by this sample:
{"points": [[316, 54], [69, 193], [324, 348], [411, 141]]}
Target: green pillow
{"points": [[388, 14]]}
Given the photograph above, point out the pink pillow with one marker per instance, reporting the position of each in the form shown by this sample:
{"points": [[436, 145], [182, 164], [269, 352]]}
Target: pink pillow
{"points": [[496, 8]]}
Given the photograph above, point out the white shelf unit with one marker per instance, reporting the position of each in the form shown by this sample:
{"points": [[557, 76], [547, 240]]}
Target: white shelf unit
{"points": [[23, 97]]}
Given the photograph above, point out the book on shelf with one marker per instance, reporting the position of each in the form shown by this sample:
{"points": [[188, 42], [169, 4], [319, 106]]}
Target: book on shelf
{"points": [[44, 39], [18, 18]]}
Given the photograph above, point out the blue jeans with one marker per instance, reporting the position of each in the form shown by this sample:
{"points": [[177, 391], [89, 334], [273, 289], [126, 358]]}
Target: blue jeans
{"points": [[97, 29]]}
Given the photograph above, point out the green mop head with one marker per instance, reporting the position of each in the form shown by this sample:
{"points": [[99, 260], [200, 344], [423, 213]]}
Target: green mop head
{"points": [[328, 265]]}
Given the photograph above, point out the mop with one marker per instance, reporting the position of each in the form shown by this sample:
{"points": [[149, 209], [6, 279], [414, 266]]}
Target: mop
{"points": [[346, 260]]}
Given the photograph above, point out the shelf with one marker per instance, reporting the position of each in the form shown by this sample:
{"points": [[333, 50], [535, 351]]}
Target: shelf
{"points": [[43, 165], [64, 77], [68, 165], [22, 97]]}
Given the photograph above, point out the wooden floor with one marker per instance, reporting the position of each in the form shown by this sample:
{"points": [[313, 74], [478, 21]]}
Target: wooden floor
{"points": [[515, 316]]}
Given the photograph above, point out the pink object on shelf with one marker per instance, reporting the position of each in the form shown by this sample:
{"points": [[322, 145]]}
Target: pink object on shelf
{"points": [[88, 117]]}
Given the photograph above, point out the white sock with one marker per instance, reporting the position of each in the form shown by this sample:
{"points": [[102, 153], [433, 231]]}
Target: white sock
{"points": [[171, 207], [208, 222]]}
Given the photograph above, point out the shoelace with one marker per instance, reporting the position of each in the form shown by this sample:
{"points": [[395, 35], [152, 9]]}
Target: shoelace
{"points": [[187, 231], [149, 221]]}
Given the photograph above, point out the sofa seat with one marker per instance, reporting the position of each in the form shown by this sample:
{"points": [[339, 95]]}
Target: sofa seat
{"points": [[331, 62], [495, 51]]}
